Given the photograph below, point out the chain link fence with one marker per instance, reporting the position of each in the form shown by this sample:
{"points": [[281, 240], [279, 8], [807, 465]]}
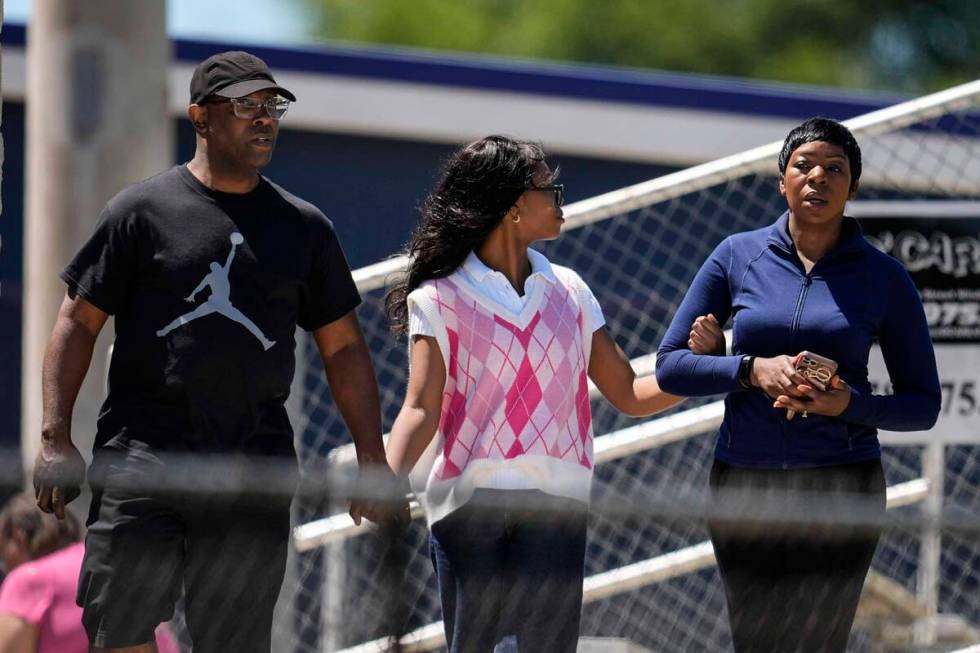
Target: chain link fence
{"points": [[650, 572]]}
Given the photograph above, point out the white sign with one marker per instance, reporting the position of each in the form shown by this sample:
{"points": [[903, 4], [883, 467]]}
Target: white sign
{"points": [[959, 377], [939, 244]]}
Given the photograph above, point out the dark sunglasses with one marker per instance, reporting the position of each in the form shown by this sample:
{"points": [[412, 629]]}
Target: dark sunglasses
{"points": [[557, 189]]}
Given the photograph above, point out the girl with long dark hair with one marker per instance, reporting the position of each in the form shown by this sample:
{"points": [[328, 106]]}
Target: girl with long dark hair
{"points": [[495, 432]]}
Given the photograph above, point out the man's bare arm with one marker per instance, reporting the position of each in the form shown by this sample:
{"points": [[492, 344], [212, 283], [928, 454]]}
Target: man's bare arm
{"points": [[350, 373], [60, 470]]}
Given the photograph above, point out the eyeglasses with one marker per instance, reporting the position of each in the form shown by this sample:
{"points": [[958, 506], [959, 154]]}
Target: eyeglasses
{"points": [[557, 189], [247, 109]]}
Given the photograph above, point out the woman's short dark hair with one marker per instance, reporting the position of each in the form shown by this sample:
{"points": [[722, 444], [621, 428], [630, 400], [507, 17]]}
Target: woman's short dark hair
{"points": [[829, 131], [43, 533], [478, 186]]}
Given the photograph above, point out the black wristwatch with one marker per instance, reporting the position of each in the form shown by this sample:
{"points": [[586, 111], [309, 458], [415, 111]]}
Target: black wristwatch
{"points": [[745, 371]]}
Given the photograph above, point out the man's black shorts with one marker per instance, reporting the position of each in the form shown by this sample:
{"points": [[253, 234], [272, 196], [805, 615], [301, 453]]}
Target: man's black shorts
{"points": [[144, 545]]}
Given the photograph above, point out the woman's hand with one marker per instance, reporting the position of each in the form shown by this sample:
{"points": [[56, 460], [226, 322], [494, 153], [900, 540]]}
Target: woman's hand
{"points": [[706, 336], [777, 377], [830, 402]]}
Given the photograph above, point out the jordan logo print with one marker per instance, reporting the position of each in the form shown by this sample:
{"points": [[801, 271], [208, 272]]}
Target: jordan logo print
{"points": [[220, 299]]}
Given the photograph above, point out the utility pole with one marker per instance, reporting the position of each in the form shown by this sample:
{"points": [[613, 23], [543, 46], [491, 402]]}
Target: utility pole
{"points": [[96, 122]]}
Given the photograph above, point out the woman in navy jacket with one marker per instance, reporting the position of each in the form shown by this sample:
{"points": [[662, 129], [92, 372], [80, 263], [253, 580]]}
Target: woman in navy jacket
{"points": [[809, 282]]}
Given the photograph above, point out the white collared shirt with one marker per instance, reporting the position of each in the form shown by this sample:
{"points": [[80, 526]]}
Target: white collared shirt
{"points": [[496, 288]]}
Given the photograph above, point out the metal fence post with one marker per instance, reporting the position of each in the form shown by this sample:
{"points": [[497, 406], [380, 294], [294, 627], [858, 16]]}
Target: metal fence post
{"points": [[927, 582]]}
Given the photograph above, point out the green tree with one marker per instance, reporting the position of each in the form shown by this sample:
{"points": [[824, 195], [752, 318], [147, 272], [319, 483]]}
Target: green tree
{"points": [[909, 46]]}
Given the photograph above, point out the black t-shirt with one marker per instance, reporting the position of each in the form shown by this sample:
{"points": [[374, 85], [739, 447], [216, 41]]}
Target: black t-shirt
{"points": [[207, 289]]}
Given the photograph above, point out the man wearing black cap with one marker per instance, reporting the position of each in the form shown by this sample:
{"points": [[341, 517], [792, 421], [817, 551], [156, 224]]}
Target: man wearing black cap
{"points": [[208, 268]]}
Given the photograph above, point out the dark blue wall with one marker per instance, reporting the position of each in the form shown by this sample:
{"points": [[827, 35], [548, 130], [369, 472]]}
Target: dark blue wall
{"points": [[11, 273]]}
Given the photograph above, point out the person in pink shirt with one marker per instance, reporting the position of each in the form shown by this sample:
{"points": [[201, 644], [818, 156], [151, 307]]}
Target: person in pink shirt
{"points": [[42, 557]]}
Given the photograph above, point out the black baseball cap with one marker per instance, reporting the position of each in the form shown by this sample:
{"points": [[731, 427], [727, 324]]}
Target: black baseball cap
{"points": [[233, 74]]}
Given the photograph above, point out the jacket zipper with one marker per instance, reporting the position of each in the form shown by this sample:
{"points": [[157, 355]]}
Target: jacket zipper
{"points": [[807, 280]]}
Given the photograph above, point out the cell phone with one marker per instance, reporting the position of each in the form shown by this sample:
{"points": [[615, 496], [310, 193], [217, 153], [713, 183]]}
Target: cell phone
{"points": [[816, 369]]}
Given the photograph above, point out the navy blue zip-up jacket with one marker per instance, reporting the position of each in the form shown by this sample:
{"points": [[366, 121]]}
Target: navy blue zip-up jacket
{"points": [[852, 296]]}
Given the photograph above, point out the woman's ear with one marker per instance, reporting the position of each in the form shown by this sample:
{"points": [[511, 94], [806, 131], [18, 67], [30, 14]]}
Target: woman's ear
{"points": [[514, 214]]}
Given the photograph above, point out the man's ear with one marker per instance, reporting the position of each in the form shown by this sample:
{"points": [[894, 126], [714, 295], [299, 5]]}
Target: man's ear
{"points": [[782, 185], [199, 118], [853, 192]]}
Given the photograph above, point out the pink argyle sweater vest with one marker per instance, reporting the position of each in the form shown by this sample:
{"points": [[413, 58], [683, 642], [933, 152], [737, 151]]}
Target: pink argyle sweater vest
{"points": [[515, 408]]}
